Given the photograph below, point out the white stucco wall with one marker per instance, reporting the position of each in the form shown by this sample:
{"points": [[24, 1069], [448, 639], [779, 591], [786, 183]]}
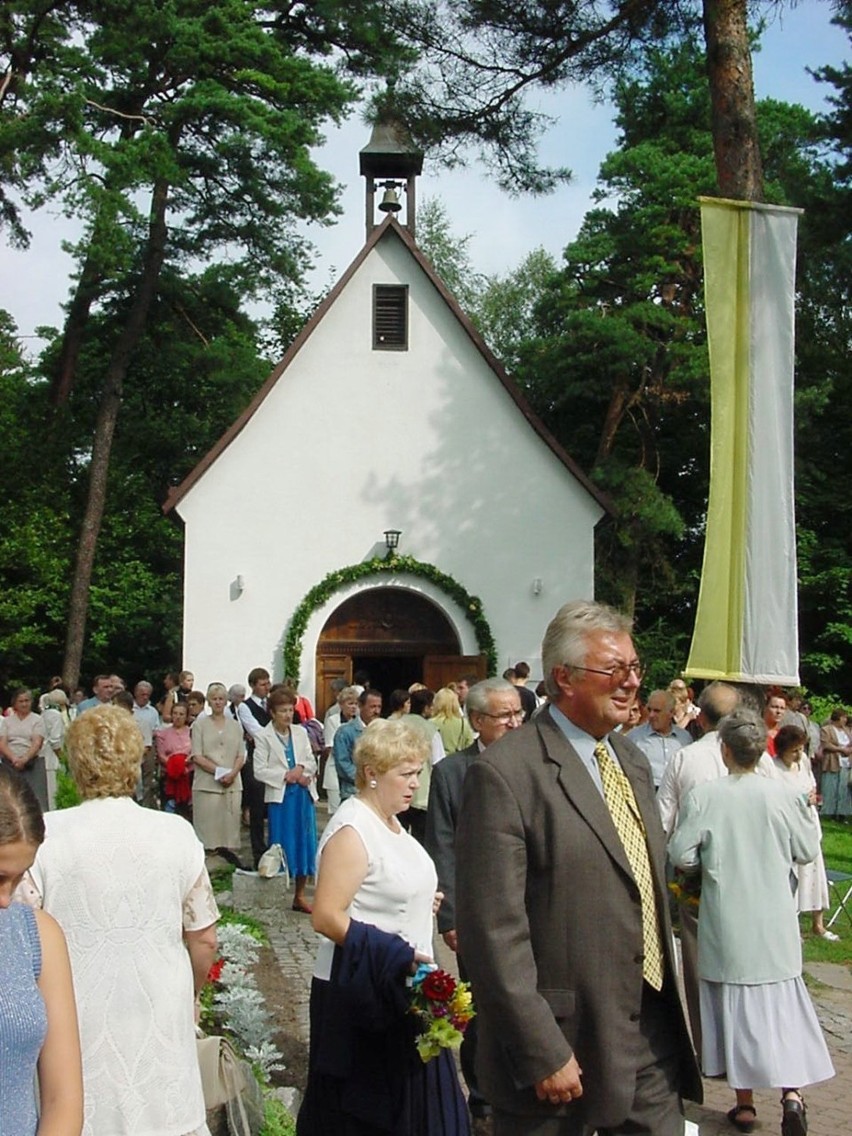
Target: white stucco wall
{"points": [[353, 441]]}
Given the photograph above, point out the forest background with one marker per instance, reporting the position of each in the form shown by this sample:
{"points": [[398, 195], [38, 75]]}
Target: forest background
{"points": [[181, 135]]}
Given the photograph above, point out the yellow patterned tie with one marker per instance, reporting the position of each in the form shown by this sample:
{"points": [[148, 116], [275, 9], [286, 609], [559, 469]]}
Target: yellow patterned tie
{"points": [[621, 802]]}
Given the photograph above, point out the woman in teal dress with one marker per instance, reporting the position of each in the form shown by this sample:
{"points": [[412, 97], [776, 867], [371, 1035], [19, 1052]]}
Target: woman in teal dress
{"points": [[285, 763]]}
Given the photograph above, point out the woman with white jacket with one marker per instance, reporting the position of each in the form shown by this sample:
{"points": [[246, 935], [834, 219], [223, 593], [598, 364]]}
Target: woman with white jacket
{"points": [[285, 763]]}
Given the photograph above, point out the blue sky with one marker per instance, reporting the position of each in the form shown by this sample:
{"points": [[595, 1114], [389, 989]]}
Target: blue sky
{"points": [[503, 229]]}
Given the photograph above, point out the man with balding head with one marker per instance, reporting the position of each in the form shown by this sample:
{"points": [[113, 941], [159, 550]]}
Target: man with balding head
{"points": [[659, 738], [699, 761]]}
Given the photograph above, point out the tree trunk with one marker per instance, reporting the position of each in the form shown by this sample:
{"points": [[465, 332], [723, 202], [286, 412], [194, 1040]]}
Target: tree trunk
{"points": [[619, 401], [85, 294], [105, 430], [734, 122]]}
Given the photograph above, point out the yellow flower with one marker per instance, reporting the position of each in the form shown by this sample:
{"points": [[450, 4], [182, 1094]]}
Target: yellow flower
{"points": [[461, 1001]]}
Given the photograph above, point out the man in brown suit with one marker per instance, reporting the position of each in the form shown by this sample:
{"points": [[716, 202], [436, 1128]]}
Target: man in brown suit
{"points": [[561, 907]]}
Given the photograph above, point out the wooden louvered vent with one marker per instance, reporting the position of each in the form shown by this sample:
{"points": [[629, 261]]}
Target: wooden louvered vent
{"points": [[390, 317]]}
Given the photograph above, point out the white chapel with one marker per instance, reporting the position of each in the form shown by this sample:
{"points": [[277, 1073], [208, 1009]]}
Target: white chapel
{"points": [[388, 502]]}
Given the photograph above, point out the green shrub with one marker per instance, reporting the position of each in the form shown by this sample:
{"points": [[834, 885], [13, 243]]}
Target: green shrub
{"points": [[67, 794], [277, 1121]]}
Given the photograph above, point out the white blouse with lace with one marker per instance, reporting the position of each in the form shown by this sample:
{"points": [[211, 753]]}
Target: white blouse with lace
{"points": [[124, 883]]}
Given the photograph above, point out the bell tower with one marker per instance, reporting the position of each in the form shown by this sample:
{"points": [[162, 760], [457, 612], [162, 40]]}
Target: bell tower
{"points": [[390, 162]]}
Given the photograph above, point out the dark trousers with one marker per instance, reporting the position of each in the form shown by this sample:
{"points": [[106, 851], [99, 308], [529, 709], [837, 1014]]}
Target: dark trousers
{"points": [[688, 917], [657, 1109], [149, 778], [417, 825], [467, 1054], [253, 796]]}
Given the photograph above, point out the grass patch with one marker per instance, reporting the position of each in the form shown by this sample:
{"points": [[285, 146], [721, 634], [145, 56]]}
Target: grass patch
{"points": [[837, 845], [837, 850], [815, 949], [277, 1121], [221, 878]]}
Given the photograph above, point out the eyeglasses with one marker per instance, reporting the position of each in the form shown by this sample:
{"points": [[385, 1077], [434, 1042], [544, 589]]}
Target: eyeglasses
{"points": [[505, 719], [616, 674]]}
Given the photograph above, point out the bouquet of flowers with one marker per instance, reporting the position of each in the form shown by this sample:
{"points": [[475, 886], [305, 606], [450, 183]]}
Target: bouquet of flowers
{"points": [[443, 1006]]}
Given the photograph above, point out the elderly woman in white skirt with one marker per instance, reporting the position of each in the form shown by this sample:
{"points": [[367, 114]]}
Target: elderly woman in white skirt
{"points": [[218, 755], [792, 765], [745, 833]]}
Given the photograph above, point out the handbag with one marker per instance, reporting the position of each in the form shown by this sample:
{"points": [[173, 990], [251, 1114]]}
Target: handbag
{"points": [[227, 1080], [273, 863]]}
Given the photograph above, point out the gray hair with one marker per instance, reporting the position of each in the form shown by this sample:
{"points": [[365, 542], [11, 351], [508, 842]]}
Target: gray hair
{"points": [[717, 700], [566, 635], [671, 701], [479, 695], [750, 696], [143, 684], [236, 691], [744, 733], [348, 692]]}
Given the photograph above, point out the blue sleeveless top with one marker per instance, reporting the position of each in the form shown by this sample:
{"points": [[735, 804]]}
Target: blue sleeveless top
{"points": [[23, 1019]]}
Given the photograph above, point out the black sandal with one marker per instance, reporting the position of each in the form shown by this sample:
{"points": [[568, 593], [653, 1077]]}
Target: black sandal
{"points": [[794, 1116], [743, 1125]]}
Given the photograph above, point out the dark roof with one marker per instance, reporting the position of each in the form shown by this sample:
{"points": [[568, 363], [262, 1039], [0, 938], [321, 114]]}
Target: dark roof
{"points": [[390, 225]]}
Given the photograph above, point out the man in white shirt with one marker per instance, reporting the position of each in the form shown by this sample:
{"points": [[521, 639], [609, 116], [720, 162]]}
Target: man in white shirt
{"points": [[147, 719]]}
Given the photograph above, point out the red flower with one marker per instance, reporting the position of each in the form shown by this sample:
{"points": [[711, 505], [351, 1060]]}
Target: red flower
{"points": [[438, 986], [215, 971]]}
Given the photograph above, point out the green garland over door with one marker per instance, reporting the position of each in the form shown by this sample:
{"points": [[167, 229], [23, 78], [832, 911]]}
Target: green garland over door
{"points": [[322, 592]]}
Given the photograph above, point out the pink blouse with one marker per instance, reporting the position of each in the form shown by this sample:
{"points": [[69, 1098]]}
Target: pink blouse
{"points": [[172, 740]]}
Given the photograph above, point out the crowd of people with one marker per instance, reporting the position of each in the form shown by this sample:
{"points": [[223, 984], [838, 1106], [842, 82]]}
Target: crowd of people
{"points": [[535, 824]]}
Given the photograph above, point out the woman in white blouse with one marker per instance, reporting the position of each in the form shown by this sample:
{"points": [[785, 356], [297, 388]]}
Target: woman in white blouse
{"points": [[130, 890], [375, 898], [21, 739]]}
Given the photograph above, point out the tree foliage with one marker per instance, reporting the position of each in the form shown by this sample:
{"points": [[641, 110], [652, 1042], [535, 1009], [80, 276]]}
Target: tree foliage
{"points": [[179, 132], [195, 369], [182, 133], [612, 352], [478, 59], [824, 389]]}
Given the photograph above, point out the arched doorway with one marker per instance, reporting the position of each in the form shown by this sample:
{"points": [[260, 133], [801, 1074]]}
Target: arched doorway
{"points": [[394, 635]]}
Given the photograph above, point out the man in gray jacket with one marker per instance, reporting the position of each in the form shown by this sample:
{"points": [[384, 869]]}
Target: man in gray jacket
{"points": [[562, 908]]}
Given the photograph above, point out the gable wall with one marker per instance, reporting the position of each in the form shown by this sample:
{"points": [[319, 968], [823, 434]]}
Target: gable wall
{"points": [[352, 441]]}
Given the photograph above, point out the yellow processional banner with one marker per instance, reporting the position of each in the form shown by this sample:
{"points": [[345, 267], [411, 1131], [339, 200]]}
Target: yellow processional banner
{"points": [[746, 622]]}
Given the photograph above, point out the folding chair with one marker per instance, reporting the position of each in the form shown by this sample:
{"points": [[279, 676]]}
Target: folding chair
{"points": [[837, 881]]}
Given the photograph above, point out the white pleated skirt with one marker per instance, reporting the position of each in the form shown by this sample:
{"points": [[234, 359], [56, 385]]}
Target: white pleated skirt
{"points": [[762, 1037]]}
